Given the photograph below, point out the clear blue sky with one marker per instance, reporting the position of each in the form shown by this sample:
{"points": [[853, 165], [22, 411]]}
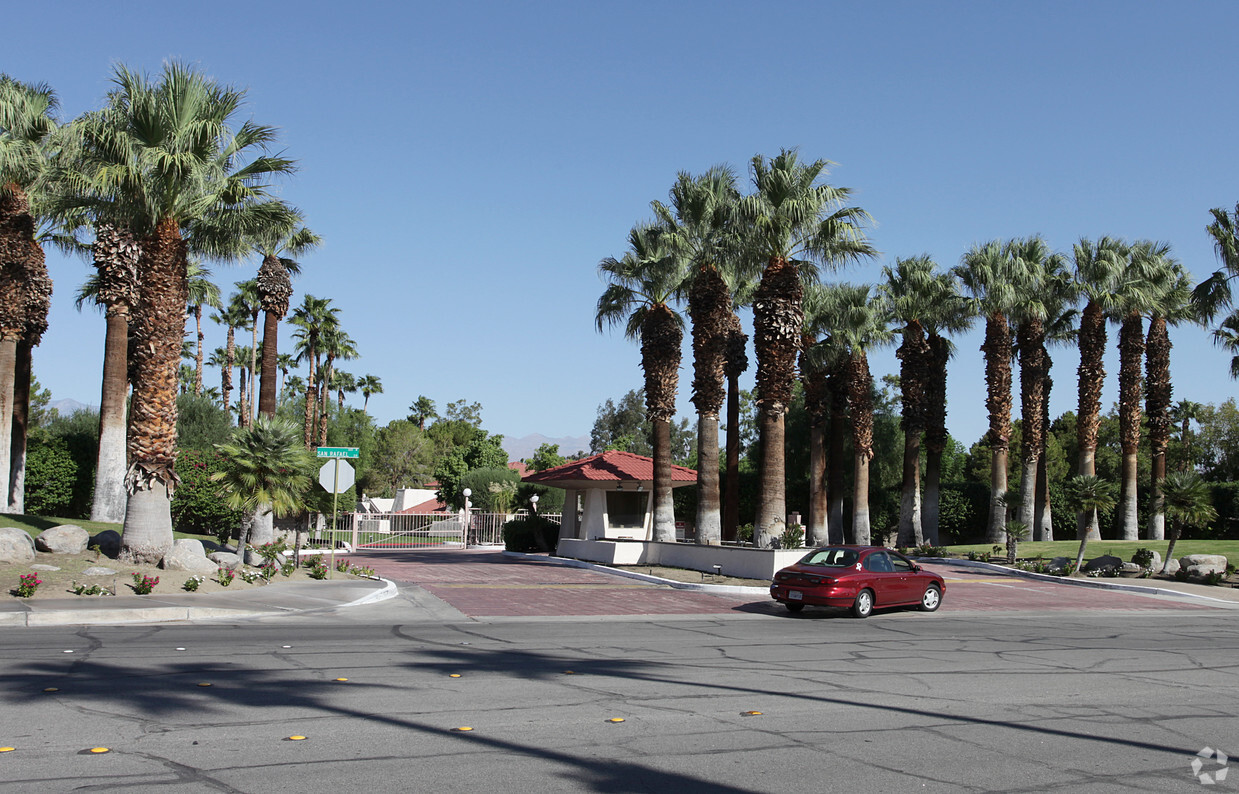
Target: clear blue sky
{"points": [[468, 164]]}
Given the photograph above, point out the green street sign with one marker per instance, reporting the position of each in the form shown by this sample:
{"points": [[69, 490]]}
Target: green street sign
{"points": [[337, 452]]}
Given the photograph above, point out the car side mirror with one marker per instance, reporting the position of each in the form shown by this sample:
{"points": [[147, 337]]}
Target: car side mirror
{"points": [[916, 569]]}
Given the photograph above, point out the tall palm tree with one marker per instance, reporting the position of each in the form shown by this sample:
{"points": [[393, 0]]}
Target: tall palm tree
{"points": [[698, 227], [26, 124], [1060, 329], [641, 287], [368, 385], [795, 222], [285, 362], [265, 468], [310, 318], [169, 157], [232, 316], [202, 293], [246, 299], [734, 365], [953, 314], [1097, 268], [244, 396], [277, 245], [422, 411], [336, 344], [343, 383], [1182, 415], [859, 322], [988, 272], [815, 363], [1138, 289], [1173, 306], [1044, 284]]}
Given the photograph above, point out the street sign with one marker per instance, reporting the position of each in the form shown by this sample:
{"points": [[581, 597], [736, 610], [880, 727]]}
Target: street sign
{"points": [[337, 452], [336, 480]]}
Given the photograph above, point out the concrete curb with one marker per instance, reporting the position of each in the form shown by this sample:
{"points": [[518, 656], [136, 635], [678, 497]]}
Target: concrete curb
{"points": [[721, 589], [1101, 584]]}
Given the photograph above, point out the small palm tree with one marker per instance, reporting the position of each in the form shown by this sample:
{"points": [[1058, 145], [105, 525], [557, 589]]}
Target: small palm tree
{"points": [[422, 411], [265, 469], [1086, 494], [1187, 503], [368, 385]]}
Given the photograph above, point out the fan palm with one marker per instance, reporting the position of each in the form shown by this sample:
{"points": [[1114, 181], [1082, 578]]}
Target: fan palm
{"points": [[343, 383], [233, 316], [1060, 329], [1172, 307], [368, 385], [1086, 494], [246, 299], [697, 226], [310, 318], [1186, 500], [277, 244], [26, 124], [168, 158], [639, 294], [988, 272], [815, 363], [1097, 268], [794, 222], [285, 362], [422, 411], [336, 344], [202, 293]]}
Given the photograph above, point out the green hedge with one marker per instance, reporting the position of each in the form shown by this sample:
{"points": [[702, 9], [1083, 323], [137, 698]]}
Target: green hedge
{"points": [[197, 506], [520, 534]]}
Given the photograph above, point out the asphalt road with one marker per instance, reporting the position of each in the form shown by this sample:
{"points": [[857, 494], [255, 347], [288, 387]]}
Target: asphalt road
{"points": [[1073, 700]]}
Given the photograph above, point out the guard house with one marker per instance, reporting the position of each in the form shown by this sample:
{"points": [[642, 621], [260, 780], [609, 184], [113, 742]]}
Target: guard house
{"points": [[613, 490]]}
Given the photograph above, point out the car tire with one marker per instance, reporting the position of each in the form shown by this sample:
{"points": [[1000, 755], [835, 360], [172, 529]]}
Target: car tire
{"points": [[932, 599], [862, 607], [794, 607]]}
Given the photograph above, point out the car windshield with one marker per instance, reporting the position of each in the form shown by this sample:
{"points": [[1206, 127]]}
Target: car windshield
{"points": [[832, 558]]}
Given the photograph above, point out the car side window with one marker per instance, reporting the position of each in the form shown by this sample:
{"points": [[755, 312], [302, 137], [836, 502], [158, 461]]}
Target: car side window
{"points": [[878, 562], [901, 565]]}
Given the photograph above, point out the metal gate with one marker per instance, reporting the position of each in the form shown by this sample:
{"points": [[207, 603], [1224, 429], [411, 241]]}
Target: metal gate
{"points": [[403, 531]]}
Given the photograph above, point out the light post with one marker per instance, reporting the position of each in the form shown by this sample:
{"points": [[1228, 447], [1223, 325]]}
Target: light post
{"points": [[468, 518], [533, 503]]}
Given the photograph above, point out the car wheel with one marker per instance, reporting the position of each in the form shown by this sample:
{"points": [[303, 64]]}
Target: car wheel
{"points": [[794, 607], [932, 599], [863, 605]]}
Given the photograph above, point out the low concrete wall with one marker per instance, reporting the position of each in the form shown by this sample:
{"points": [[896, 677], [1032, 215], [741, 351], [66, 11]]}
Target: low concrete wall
{"points": [[740, 561]]}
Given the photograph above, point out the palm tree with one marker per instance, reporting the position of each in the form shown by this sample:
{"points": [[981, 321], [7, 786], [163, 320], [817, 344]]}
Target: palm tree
{"points": [[953, 314], [859, 322], [988, 272], [285, 362], [336, 344], [1086, 494], [265, 468], [698, 228], [26, 123], [1060, 328], [342, 383], [244, 396], [246, 299], [422, 411], [233, 316], [202, 292], [1173, 306], [368, 385], [1043, 287], [277, 244], [789, 223], [168, 158], [734, 365], [815, 364], [1182, 415], [1098, 268], [310, 318], [1187, 502], [641, 287]]}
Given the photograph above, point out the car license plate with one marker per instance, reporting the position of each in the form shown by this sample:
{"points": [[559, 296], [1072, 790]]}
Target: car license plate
{"points": [[795, 595]]}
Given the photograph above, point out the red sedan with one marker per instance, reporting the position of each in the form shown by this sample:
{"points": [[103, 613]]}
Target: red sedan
{"points": [[861, 578]]}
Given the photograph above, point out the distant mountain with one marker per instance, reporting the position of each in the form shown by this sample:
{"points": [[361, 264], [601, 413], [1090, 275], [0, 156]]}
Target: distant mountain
{"points": [[521, 448], [67, 406]]}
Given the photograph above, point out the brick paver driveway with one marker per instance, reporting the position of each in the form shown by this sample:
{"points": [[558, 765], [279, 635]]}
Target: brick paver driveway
{"points": [[489, 584]]}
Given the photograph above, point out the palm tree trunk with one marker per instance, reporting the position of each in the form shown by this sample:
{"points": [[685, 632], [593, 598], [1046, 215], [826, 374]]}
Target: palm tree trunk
{"points": [[8, 362], [861, 531], [1158, 395], [929, 506], [253, 367], [1090, 375], [709, 529], [230, 355], [834, 455], [198, 357], [1175, 529], [21, 422], [267, 396], [1131, 353], [1044, 515], [911, 532], [108, 503], [664, 508], [817, 530], [778, 320], [324, 399], [731, 483], [772, 505], [997, 350], [860, 386], [935, 432], [310, 402]]}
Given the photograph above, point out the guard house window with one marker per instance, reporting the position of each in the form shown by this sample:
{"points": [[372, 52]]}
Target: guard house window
{"points": [[626, 510]]}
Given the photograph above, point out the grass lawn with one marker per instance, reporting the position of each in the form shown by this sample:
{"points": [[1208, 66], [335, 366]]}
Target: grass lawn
{"points": [[1123, 549], [36, 524]]}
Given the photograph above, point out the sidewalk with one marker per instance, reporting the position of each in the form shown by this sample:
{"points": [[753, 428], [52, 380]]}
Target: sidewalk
{"points": [[275, 599]]}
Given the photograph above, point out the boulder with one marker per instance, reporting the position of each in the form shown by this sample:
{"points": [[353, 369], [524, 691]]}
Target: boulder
{"points": [[1131, 569], [98, 570], [1172, 567], [225, 559], [16, 546], [1156, 564], [67, 539], [1058, 564], [1106, 562], [108, 542], [187, 555], [1203, 564], [38, 566]]}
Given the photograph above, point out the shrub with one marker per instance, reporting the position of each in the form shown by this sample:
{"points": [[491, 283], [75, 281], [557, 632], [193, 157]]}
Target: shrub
{"points": [[521, 534], [197, 505], [792, 537], [1143, 558]]}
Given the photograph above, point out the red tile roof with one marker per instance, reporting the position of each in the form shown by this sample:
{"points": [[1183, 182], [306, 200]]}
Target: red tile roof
{"points": [[612, 466], [425, 508], [519, 467]]}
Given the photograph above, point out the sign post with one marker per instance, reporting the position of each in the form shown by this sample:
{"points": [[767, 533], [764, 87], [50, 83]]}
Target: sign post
{"points": [[341, 480]]}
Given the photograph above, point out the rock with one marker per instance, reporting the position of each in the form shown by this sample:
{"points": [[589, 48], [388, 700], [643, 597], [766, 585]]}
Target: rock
{"points": [[98, 570], [187, 555], [1172, 567], [16, 546], [1203, 564], [67, 539], [1058, 564], [1131, 569], [108, 542], [225, 559], [1156, 564], [1105, 562], [38, 566]]}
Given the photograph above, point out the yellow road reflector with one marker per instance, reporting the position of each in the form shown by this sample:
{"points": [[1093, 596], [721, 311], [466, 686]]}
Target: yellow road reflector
{"points": [[616, 719], [453, 675], [750, 714], [52, 689], [463, 728], [296, 738], [341, 679], [203, 684], [98, 750], [7, 749]]}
